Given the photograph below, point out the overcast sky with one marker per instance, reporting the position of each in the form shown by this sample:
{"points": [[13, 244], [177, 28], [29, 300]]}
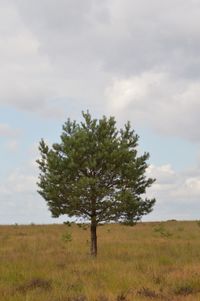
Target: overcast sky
{"points": [[137, 60]]}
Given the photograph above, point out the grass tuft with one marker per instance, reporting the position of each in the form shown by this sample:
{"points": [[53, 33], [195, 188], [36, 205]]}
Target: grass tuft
{"points": [[32, 284]]}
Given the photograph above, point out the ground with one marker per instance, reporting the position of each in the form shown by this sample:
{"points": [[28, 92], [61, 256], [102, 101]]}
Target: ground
{"points": [[150, 261]]}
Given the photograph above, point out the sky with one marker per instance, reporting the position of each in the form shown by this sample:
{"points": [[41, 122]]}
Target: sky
{"points": [[137, 60]]}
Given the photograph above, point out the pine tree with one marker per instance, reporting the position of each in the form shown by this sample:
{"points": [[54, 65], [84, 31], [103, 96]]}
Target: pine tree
{"points": [[95, 173]]}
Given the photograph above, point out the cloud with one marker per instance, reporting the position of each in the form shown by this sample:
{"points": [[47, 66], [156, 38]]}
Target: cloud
{"points": [[39, 73], [177, 193], [19, 182], [179, 185], [73, 52], [164, 173], [169, 105], [20, 202], [124, 37], [27, 79]]}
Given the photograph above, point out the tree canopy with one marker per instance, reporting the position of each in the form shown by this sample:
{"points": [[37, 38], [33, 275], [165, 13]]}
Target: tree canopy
{"points": [[95, 173]]}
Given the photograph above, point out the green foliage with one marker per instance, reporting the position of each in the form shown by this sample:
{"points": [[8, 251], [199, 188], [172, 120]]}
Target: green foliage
{"points": [[160, 229], [95, 171], [187, 286], [83, 226], [67, 224], [67, 237], [198, 223]]}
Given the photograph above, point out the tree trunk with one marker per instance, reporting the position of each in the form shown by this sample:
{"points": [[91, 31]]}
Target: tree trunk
{"points": [[93, 229]]}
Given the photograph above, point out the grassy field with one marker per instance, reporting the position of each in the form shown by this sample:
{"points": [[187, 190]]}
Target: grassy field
{"points": [[151, 261]]}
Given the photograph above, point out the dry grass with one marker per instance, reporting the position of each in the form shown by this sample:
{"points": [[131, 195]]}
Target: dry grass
{"points": [[152, 261]]}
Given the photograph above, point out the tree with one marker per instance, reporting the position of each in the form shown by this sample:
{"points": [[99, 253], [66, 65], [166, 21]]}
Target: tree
{"points": [[95, 173]]}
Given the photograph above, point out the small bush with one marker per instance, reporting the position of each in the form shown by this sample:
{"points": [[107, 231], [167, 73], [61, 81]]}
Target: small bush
{"points": [[34, 284], [160, 229], [184, 290], [102, 298], [67, 223], [198, 223], [187, 286], [122, 297], [146, 292], [67, 237], [83, 226]]}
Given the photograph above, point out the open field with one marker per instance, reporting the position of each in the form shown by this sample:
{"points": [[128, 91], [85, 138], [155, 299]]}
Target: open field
{"points": [[151, 261]]}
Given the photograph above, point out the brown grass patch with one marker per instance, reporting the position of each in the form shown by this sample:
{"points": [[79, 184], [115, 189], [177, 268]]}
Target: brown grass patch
{"points": [[148, 293], [34, 284]]}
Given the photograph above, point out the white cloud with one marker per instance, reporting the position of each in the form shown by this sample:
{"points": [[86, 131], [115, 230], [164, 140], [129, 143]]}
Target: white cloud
{"points": [[66, 57], [179, 185], [32, 79], [189, 189], [20, 202], [27, 79], [177, 193], [19, 182], [164, 173], [171, 106]]}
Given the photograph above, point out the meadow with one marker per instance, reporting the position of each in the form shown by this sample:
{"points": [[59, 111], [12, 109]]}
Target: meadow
{"points": [[150, 261]]}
